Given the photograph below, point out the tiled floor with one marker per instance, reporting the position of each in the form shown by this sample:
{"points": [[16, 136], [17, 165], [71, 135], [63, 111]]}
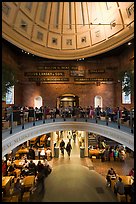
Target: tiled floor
{"points": [[121, 168], [81, 180]]}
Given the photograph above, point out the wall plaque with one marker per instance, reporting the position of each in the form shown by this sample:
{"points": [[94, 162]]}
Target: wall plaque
{"points": [[47, 79], [96, 71], [44, 73], [77, 73], [57, 68], [92, 79]]}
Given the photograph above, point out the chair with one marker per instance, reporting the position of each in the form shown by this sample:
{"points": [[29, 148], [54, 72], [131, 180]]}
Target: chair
{"points": [[121, 198], [93, 158], [26, 197], [17, 156], [129, 198], [112, 185]]}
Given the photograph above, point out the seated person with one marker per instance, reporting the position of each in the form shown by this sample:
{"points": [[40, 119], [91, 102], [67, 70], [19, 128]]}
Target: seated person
{"points": [[131, 172], [26, 163], [111, 174], [18, 189], [48, 153], [39, 166], [32, 167], [119, 187], [47, 170], [11, 169]]}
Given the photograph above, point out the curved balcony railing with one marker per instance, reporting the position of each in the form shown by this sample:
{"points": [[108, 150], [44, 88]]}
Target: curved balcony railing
{"points": [[38, 119]]}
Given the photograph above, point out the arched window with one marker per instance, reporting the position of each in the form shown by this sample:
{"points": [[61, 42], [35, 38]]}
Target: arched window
{"points": [[10, 96], [38, 101], [98, 101], [126, 94]]}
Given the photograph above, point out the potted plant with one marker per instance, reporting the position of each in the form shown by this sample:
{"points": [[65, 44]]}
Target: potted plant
{"points": [[8, 78]]}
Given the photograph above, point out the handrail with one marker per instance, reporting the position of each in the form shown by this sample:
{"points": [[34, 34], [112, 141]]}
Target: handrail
{"points": [[65, 116], [20, 136]]}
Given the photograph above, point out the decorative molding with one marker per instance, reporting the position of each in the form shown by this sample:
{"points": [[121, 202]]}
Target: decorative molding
{"points": [[83, 39], [16, 139], [97, 33], [54, 41], [5, 9], [130, 10], [69, 41], [54, 44]]}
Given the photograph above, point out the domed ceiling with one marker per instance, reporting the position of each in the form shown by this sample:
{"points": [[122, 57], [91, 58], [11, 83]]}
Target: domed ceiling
{"points": [[67, 30]]}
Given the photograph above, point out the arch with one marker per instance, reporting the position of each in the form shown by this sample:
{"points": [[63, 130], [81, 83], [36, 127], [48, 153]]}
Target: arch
{"points": [[16, 139], [38, 101], [68, 99], [98, 101]]}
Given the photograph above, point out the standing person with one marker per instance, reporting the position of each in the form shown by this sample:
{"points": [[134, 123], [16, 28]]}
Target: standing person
{"points": [[62, 146], [110, 173], [91, 112], [68, 148], [74, 137], [119, 187], [69, 136], [4, 168]]}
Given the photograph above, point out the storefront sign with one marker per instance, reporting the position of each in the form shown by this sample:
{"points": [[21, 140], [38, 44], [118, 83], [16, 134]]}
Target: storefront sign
{"points": [[92, 79], [47, 79], [57, 68], [97, 71], [77, 73], [44, 73]]}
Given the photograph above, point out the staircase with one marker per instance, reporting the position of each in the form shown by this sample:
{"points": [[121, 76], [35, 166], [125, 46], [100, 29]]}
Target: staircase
{"points": [[92, 140]]}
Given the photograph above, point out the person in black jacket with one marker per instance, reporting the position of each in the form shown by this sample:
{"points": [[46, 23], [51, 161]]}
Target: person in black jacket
{"points": [[68, 149], [62, 146], [32, 168], [31, 154]]}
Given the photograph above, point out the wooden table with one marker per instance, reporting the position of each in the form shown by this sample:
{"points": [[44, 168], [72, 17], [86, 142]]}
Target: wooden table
{"points": [[95, 152], [28, 181], [5, 124], [33, 140], [127, 180], [17, 172], [19, 163], [22, 151], [6, 181], [42, 139]]}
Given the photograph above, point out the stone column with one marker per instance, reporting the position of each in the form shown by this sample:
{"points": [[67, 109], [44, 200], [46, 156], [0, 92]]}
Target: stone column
{"points": [[86, 143], [52, 143]]}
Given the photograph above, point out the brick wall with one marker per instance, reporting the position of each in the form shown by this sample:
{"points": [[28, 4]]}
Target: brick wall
{"points": [[25, 91]]}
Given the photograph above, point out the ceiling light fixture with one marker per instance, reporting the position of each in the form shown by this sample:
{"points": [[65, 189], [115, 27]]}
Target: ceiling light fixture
{"points": [[129, 43]]}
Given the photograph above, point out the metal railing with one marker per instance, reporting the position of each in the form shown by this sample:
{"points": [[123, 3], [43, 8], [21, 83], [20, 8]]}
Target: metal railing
{"points": [[65, 116]]}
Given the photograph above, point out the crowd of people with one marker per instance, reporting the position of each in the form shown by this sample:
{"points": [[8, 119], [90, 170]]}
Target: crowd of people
{"points": [[40, 171], [45, 112]]}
